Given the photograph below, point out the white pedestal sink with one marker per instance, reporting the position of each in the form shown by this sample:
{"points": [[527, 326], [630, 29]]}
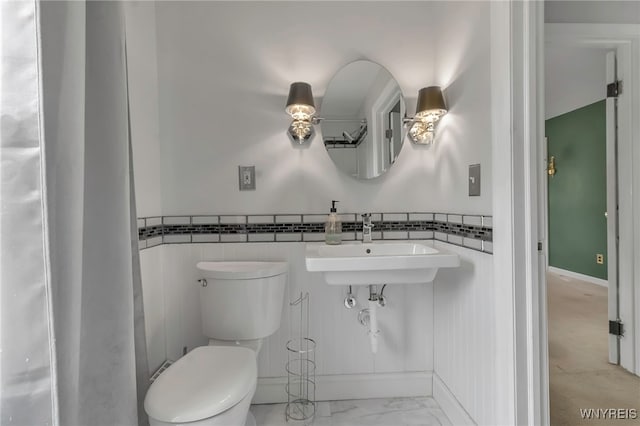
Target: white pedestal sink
{"points": [[380, 262]]}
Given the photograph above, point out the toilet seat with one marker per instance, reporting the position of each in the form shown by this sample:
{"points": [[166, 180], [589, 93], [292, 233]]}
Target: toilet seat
{"points": [[203, 383], [238, 270]]}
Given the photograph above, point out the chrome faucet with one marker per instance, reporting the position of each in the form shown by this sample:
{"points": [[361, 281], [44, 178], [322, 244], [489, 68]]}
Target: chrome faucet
{"points": [[366, 227]]}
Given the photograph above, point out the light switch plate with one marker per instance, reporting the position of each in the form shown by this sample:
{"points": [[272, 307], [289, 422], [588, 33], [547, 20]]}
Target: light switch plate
{"points": [[247, 177], [474, 180]]}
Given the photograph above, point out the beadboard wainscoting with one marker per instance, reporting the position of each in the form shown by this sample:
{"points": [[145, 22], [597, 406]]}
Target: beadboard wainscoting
{"points": [[155, 305], [343, 348], [464, 338], [429, 332]]}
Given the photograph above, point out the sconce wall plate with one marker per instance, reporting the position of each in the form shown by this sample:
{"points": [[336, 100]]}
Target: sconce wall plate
{"points": [[301, 131]]}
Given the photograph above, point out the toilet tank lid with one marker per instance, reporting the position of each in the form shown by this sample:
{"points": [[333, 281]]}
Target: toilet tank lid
{"points": [[241, 270], [203, 383]]}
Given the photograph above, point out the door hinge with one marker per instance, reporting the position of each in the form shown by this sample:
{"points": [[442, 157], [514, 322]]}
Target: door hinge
{"points": [[616, 328], [539, 246], [614, 89], [388, 133]]}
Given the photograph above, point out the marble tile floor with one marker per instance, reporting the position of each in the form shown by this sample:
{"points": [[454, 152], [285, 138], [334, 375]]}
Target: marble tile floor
{"points": [[421, 411]]}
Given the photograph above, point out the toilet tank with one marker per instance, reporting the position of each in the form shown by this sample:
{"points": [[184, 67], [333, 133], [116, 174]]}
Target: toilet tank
{"points": [[241, 300]]}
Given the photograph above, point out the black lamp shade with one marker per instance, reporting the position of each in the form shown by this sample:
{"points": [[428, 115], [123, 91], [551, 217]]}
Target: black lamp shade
{"points": [[431, 99], [300, 94]]}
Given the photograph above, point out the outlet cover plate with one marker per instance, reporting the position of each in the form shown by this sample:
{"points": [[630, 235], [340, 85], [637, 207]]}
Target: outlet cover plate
{"points": [[247, 178], [474, 180]]}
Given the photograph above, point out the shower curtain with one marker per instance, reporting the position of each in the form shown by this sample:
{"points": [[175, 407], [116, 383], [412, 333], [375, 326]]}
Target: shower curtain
{"points": [[72, 344]]}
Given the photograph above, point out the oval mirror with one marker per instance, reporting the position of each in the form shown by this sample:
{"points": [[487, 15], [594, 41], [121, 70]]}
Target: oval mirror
{"points": [[362, 113]]}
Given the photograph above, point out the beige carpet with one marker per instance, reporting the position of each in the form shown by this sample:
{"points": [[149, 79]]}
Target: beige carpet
{"points": [[580, 375]]}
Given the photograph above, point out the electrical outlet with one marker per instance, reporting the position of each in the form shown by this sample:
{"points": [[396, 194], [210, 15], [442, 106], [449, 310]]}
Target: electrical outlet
{"points": [[599, 259], [247, 177]]}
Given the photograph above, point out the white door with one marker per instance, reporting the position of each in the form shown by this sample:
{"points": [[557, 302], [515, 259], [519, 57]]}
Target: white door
{"points": [[612, 211]]}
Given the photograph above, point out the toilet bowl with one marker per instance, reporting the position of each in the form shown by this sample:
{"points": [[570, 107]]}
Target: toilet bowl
{"points": [[241, 304], [209, 386]]}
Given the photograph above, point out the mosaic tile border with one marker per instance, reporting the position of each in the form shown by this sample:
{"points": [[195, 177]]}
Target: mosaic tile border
{"points": [[470, 231]]}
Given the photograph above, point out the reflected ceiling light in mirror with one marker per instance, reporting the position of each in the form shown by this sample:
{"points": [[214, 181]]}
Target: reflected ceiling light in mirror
{"points": [[430, 108], [301, 108]]}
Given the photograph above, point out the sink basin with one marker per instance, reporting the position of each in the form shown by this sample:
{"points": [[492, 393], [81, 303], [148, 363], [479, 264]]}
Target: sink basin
{"points": [[380, 262]]}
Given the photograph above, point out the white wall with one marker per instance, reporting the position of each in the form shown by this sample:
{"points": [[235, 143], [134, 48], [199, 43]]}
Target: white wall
{"points": [[462, 67], [224, 72], [143, 95], [345, 159], [464, 338], [574, 77], [152, 272], [588, 12]]}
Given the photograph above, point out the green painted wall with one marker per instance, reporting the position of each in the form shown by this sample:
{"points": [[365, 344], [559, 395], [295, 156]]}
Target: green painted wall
{"points": [[578, 191]]}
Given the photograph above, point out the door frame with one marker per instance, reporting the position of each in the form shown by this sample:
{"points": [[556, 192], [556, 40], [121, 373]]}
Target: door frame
{"points": [[517, 105], [625, 40], [517, 169], [533, 395], [517, 29]]}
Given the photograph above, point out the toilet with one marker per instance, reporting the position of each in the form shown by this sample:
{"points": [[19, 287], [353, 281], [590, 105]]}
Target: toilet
{"points": [[241, 304]]}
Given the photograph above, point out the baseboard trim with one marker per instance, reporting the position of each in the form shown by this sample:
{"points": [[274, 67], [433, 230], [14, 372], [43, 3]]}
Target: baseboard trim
{"points": [[579, 276], [450, 404], [271, 390]]}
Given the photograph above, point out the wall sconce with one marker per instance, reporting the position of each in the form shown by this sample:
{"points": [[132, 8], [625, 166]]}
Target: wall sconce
{"points": [[301, 108], [430, 108]]}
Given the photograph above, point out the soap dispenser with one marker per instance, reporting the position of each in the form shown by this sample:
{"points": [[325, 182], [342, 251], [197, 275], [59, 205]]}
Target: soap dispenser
{"points": [[333, 227]]}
